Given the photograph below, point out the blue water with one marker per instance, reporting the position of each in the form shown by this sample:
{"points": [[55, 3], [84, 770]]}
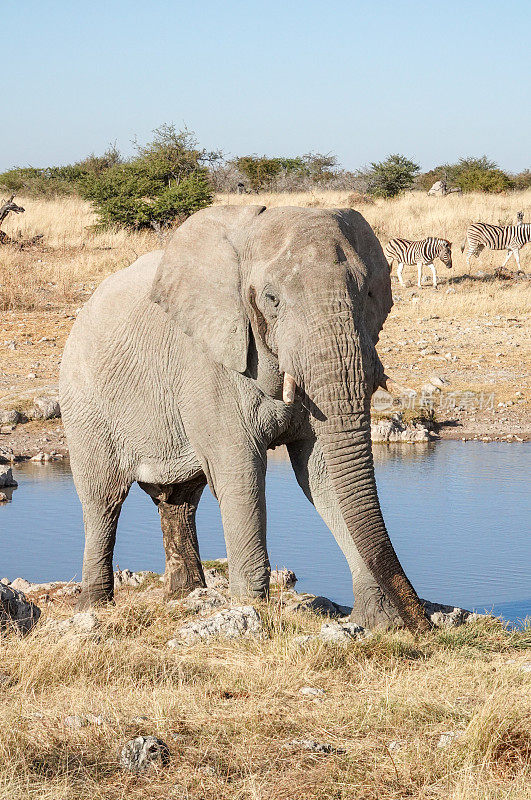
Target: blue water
{"points": [[458, 515]]}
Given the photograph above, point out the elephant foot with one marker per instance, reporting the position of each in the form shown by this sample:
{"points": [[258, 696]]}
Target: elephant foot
{"points": [[181, 580], [373, 609], [91, 597], [254, 584]]}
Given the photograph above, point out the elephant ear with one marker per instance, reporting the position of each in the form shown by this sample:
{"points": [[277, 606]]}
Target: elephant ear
{"points": [[198, 281], [379, 299]]}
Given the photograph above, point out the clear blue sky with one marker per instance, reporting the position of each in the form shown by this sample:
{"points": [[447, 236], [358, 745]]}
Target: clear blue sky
{"points": [[432, 80]]}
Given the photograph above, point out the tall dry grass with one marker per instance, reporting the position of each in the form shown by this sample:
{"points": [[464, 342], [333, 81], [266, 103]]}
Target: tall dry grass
{"points": [[73, 258], [415, 215], [227, 710]]}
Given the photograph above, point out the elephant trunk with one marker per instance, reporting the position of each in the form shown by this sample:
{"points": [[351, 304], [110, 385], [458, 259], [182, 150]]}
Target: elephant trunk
{"points": [[343, 374]]}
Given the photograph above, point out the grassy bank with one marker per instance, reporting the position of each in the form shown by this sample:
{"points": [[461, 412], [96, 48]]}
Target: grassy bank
{"points": [[446, 716]]}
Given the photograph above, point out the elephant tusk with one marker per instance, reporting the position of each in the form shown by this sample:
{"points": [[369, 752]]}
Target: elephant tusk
{"points": [[288, 389], [393, 387]]}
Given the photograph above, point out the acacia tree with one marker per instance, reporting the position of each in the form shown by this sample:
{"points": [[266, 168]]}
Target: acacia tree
{"points": [[167, 180], [390, 177]]}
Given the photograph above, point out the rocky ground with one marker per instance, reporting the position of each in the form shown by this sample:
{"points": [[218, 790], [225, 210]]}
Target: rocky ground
{"points": [[202, 697]]}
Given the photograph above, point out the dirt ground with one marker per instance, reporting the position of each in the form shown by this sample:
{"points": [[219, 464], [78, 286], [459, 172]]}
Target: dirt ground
{"points": [[484, 358]]}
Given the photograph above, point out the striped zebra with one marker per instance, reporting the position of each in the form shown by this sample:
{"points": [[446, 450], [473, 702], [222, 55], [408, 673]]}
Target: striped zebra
{"points": [[421, 253], [510, 238]]}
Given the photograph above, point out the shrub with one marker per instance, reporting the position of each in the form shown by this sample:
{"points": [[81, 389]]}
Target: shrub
{"points": [[166, 181], [522, 180], [390, 177], [53, 181], [260, 171], [283, 174], [469, 174]]}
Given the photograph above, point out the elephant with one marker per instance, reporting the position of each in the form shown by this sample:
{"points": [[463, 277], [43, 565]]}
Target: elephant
{"points": [[255, 327]]}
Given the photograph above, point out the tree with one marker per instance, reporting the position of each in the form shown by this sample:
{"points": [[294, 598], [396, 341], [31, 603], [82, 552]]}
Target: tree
{"points": [[167, 180], [390, 177], [470, 174], [260, 171]]}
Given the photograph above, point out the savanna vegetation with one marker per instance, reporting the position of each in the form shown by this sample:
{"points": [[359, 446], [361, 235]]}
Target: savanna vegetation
{"points": [[446, 716], [171, 176]]}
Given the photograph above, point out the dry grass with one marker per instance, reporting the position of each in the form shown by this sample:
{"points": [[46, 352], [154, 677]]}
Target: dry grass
{"points": [[226, 711], [414, 216], [73, 259], [41, 287]]}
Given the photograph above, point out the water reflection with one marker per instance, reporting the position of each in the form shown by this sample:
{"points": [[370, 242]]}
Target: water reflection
{"points": [[456, 513]]}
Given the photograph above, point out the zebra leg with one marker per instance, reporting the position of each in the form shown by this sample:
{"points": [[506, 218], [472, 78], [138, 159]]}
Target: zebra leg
{"points": [[434, 274], [399, 273], [419, 270], [516, 254], [509, 254], [473, 250]]}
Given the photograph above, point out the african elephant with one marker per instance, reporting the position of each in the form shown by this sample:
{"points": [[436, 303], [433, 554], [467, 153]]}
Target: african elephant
{"points": [[255, 327]]}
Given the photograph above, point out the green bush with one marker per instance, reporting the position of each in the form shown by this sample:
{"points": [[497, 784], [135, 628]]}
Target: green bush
{"points": [[166, 181], [264, 173], [469, 174], [52, 181], [390, 177], [260, 171]]}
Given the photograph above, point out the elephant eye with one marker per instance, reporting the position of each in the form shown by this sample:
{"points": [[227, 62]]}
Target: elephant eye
{"points": [[271, 298]]}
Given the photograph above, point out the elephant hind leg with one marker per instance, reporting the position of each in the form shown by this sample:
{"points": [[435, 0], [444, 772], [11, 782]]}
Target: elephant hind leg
{"points": [[102, 487], [177, 507], [101, 519]]}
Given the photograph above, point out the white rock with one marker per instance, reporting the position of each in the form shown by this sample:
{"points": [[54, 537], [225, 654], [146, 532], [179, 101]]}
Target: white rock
{"points": [[303, 639], [439, 381], [83, 624], [394, 745], [124, 577], [230, 623], [312, 746], [444, 616], [317, 604], [283, 577], [311, 691], [202, 600], [75, 721], [46, 408], [215, 580], [526, 667], [334, 633], [21, 585], [144, 752], [9, 417], [393, 429], [447, 738]]}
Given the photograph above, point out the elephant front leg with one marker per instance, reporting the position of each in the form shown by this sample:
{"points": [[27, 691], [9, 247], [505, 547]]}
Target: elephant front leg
{"points": [[372, 608], [240, 489]]}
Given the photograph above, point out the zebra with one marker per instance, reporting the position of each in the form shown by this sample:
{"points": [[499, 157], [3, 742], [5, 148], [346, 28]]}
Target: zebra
{"points": [[510, 238], [420, 253]]}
